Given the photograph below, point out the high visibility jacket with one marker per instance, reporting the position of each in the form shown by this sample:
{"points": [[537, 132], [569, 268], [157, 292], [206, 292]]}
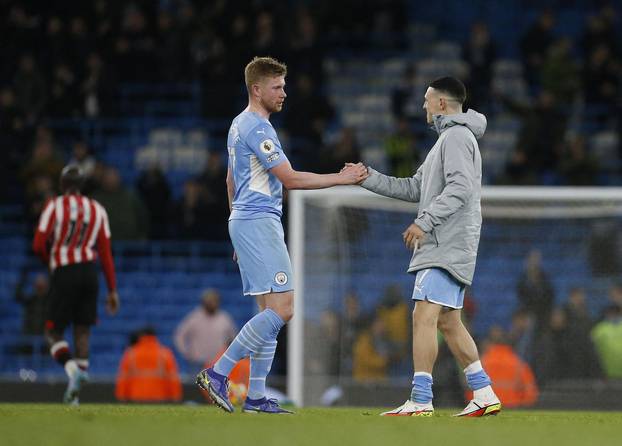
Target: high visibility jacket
{"points": [[148, 372], [512, 378]]}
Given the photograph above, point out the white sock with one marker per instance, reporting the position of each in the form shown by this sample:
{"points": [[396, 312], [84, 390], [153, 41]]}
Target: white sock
{"points": [[473, 368], [71, 368]]}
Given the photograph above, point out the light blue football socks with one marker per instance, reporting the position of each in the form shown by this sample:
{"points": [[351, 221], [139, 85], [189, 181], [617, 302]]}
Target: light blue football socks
{"points": [[257, 339], [261, 362], [476, 377], [422, 388]]}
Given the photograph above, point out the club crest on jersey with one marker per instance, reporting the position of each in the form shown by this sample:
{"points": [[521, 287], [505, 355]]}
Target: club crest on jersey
{"points": [[267, 146], [281, 278]]}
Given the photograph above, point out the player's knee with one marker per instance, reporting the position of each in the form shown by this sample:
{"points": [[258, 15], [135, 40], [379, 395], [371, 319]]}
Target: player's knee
{"points": [[286, 312], [424, 320], [445, 327]]}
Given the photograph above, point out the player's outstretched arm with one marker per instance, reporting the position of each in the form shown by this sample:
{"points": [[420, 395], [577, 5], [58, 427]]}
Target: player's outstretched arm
{"points": [[293, 179], [407, 189]]}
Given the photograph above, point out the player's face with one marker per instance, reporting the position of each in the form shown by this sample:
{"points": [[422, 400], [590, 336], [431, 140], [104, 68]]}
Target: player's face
{"points": [[272, 93], [431, 104]]}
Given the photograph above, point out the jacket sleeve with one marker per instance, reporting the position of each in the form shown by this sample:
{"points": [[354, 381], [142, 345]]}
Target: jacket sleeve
{"points": [[459, 175], [407, 189]]}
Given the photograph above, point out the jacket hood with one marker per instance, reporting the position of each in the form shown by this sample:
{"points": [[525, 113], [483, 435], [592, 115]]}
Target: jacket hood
{"points": [[474, 121]]}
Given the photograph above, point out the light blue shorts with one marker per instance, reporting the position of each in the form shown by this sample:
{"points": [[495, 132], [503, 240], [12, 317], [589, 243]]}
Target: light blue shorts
{"points": [[262, 255], [438, 287]]}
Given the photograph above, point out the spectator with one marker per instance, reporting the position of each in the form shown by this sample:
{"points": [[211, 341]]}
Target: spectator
{"points": [[555, 349], [584, 363], [322, 355], [308, 114], [615, 295], [173, 58], [192, 212], [41, 190], [127, 214], [404, 103], [56, 42], [83, 158], [305, 52], [98, 89], [135, 47], [395, 315], [560, 74], [30, 89], [577, 166], [601, 83], [205, 331], [148, 372], [345, 150], [155, 192], [352, 324], [607, 337], [543, 126], [535, 292], [600, 31], [43, 162], [514, 381], [371, 353], [522, 335], [62, 102], [213, 181], [534, 45], [480, 53], [34, 303], [401, 150]]}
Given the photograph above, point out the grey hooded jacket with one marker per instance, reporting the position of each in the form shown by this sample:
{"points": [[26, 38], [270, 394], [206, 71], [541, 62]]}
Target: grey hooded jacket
{"points": [[448, 187]]}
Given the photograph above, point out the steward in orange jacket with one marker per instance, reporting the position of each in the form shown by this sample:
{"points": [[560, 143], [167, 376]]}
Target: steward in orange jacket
{"points": [[148, 372], [512, 378]]}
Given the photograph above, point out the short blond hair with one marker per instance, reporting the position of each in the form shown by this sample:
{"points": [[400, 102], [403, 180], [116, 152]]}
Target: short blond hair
{"points": [[262, 67]]}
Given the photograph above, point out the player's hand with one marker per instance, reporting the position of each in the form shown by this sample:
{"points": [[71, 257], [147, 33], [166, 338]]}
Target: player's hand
{"points": [[413, 235], [354, 173], [112, 303], [235, 257]]}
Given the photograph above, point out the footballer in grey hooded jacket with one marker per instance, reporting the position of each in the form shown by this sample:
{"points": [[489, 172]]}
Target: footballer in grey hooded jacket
{"points": [[448, 187]]}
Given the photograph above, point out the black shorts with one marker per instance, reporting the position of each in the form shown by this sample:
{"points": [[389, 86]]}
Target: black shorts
{"points": [[73, 296]]}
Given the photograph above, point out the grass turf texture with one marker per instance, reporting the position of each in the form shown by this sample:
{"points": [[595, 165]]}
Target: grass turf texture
{"points": [[117, 425]]}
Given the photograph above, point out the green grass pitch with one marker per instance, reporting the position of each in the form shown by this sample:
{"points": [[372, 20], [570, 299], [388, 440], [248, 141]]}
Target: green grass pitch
{"points": [[118, 425]]}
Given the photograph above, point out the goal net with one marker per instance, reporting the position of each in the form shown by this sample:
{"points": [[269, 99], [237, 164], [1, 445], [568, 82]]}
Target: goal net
{"points": [[349, 340]]}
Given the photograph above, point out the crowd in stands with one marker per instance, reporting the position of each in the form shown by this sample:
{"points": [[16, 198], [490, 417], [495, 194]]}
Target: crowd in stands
{"points": [[73, 63]]}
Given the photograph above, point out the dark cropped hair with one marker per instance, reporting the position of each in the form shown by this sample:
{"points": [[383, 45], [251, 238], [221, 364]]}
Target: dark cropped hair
{"points": [[71, 179], [452, 87]]}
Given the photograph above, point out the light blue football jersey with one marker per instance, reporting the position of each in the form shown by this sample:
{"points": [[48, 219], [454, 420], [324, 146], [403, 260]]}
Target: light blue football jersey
{"points": [[254, 149]]}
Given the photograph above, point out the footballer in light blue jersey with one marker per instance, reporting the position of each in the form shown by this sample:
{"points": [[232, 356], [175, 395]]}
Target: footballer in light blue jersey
{"points": [[258, 170], [254, 149], [256, 209]]}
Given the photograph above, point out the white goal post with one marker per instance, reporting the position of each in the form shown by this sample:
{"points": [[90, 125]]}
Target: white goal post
{"points": [[516, 204]]}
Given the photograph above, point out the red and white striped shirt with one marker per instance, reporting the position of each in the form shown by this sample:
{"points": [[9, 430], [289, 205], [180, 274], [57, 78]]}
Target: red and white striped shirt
{"points": [[75, 225]]}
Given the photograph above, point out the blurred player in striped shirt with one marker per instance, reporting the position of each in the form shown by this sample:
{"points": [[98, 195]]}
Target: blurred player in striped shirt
{"points": [[72, 231]]}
